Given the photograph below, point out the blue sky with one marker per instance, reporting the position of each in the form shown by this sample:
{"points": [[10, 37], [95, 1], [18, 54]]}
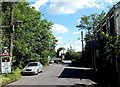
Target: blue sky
{"points": [[66, 14]]}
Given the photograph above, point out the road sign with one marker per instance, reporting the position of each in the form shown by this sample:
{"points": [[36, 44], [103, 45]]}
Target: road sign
{"points": [[5, 64]]}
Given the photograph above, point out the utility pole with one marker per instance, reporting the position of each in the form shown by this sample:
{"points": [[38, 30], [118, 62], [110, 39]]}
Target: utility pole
{"points": [[0, 28], [0, 37], [82, 39], [11, 30]]}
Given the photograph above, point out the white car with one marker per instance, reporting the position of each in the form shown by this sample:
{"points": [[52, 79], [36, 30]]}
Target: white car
{"points": [[33, 68]]}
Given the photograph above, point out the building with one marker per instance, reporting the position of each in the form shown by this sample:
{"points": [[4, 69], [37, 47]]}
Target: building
{"points": [[106, 59]]}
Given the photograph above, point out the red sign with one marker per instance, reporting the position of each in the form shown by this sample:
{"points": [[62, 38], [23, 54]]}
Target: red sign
{"points": [[5, 55]]}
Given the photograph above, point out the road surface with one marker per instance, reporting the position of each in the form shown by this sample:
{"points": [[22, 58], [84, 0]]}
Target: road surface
{"points": [[58, 74]]}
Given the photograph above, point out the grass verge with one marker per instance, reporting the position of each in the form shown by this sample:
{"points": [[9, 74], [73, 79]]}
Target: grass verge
{"points": [[11, 77]]}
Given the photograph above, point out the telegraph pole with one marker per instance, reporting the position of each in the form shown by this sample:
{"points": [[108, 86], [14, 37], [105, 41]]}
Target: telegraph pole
{"points": [[0, 38], [82, 39], [11, 30], [0, 28]]}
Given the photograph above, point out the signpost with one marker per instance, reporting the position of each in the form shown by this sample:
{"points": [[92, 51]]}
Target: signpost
{"points": [[5, 61], [5, 64]]}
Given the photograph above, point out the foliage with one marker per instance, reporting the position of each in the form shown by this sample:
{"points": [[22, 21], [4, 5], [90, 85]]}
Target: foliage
{"points": [[79, 58], [113, 41], [68, 55], [90, 22], [33, 39], [114, 45], [74, 57]]}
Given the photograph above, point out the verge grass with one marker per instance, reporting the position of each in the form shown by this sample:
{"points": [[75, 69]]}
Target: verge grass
{"points": [[10, 77]]}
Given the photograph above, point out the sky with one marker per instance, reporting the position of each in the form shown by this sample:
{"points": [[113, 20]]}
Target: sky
{"points": [[65, 16]]}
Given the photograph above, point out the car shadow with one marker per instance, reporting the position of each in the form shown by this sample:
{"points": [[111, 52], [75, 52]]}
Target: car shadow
{"points": [[28, 75]]}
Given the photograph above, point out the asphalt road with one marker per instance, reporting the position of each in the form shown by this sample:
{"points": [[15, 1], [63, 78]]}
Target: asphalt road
{"points": [[58, 74]]}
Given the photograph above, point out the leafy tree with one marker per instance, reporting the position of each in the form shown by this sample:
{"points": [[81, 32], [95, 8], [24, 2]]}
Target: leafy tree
{"points": [[90, 22], [68, 55], [33, 39]]}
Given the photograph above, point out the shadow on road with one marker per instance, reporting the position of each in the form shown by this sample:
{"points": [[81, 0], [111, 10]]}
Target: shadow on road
{"points": [[79, 73], [70, 72], [103, 79], [75, 73]]}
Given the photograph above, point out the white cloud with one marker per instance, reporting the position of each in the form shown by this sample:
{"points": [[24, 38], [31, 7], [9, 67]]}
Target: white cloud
{"points": [[61, 8], [110, 1], [59, 29], [39, 3], [76, 33], [69, 6]]}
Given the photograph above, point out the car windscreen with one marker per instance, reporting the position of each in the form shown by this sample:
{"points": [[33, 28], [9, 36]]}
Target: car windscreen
{"points": [[33, 64]]}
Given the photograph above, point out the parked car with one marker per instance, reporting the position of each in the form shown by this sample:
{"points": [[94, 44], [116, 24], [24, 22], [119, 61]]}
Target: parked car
{"points": [[33, 68], [51, 61]]}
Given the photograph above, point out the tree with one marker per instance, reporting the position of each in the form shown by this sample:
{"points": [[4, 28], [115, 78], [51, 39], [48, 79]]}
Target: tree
{"points": [[33, 39], [89, 23]]}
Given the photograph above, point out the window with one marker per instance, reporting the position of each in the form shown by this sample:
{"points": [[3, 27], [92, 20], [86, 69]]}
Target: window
{"points": [[33, 64]]}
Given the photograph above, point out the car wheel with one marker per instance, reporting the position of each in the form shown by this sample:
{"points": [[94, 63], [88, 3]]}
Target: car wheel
{"points": [[37, 72], [41, 70]]}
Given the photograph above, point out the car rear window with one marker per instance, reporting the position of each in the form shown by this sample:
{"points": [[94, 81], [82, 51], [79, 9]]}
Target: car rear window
{"points": [[33, 64]]}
